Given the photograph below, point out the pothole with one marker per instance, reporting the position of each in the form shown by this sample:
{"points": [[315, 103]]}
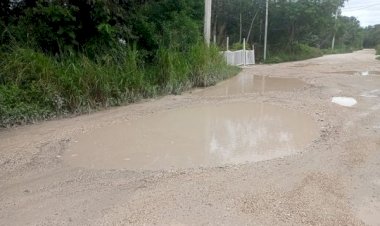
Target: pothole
{"points": [[202, 136], [248, 83], [371, 94], [344, 101], [367, 73], [357, 73], [374, 72]]}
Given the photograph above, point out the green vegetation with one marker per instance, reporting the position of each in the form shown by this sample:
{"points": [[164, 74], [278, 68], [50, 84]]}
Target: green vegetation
{"points": [[297, 29], [338, 51], [377, 48], [296, 52], [372, 38], [61, 57], [71, 57], [37, 86]]}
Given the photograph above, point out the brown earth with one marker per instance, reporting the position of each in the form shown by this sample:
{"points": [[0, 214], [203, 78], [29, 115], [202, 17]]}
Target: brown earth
{"points": [[334, 180]]}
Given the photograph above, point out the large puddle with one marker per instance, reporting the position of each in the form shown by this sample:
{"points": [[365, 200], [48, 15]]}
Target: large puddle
{"points": [[202, 136], [248, 83]]}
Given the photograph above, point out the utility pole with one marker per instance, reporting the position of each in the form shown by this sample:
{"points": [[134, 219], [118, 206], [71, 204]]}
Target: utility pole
{"points": [[266, 30], [333, 40], [207, 22], [240, 23]]}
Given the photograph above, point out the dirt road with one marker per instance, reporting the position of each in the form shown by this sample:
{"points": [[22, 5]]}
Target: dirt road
{"points": [[332, 179]]}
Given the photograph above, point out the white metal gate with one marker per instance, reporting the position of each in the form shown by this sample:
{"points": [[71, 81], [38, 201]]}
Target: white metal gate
{"points": [[240, 57]]}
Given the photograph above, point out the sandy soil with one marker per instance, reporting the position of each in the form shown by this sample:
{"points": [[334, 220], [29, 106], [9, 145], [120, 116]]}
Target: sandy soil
{"points": [[334, 181]]}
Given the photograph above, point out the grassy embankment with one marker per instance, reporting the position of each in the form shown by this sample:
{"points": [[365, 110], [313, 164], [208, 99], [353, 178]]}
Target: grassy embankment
{"points": [[293, 53], [36, 86], [302, 52]]}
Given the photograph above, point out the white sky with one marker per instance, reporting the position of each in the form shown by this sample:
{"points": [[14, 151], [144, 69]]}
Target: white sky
{"points": [[367, 11]]}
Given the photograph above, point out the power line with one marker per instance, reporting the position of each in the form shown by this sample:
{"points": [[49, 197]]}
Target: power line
{"points": [[354, 5], [360, 7]]}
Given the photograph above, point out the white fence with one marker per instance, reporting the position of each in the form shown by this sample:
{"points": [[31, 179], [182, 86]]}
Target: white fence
{"points": [[240, 57]]}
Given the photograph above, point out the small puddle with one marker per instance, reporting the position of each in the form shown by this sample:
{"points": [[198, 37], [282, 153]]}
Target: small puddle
{"points": [[248, 83], [367, 73], [364, 73], [371, 94], [344, 101], [357, 73], [202, 136], [374, 72]]}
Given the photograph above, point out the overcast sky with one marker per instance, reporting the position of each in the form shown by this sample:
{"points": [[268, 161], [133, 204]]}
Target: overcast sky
{"points": [[367, 11]]}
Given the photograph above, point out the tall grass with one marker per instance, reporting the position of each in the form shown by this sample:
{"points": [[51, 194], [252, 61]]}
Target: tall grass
{"points": [[35, 86]]}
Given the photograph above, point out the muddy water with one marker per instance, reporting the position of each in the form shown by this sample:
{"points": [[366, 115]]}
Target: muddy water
{"points": [[248, 83], [200, 136]]}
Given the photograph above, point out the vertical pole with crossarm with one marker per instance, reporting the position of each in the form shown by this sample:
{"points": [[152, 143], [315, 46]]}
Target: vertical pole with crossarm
{"points": [[207, 22]]}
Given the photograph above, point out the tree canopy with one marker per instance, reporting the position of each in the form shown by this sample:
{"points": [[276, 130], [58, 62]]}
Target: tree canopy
{"points": [[58, 25], [309, 22]]}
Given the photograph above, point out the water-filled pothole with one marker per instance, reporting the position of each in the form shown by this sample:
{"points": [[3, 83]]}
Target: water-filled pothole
{"points": [[202, 136], [371, 93], [344, 101], [248, 83], [357, 73]]}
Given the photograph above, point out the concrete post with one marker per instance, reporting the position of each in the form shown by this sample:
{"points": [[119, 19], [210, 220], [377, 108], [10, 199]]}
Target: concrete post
{"points": [[207, 22], [228, 43], [244, 53]]}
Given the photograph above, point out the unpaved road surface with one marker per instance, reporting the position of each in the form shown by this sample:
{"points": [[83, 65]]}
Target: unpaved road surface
{"points": [[333, 180]]}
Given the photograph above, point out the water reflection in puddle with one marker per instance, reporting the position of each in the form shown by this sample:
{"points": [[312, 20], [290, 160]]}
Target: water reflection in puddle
{"points": [[196, 137], [248, 83]]}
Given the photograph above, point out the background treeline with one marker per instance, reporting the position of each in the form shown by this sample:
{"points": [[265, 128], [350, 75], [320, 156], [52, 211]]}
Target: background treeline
{"points": [[62, 57], [298, 29], [372, 38]]}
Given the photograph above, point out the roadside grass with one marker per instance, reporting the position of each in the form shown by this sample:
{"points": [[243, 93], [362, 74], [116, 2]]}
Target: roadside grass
{"points": [[35, 86], [293, 53], [303, 52], [377, 48], [337, 51]]}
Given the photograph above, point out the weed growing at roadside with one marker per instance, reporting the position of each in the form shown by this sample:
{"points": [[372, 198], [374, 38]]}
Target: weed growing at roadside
{"points": [[35, 86]]}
